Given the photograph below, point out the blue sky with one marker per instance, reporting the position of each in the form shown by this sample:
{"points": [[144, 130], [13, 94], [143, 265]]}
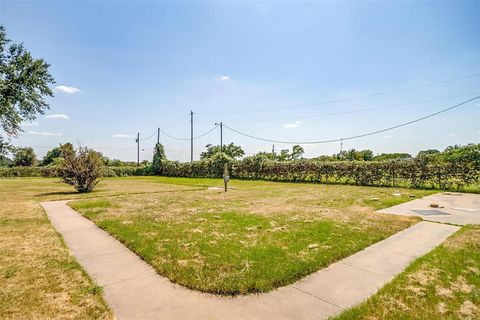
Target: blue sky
{"points": [[142, 65]]}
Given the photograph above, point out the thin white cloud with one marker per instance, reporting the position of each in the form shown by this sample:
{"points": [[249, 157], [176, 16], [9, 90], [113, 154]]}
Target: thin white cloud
{"points": [[387, 137], [30, 124], [292, 125], [57, 116], [452, 134], [122, 135], [67, 89], [52, 134], [224, 78]]}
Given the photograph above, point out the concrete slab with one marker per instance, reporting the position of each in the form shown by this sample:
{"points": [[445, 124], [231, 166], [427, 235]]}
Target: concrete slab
{"points": [[342, 285], [454, 208], [392, 262], [134, 291]]}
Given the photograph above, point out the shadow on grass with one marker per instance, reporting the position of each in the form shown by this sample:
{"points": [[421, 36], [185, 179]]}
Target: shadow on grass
{"points": [[57, 193], [102, 193]]}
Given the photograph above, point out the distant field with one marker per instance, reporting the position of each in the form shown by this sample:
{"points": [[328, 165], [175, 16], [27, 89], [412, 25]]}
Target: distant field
{"points": [[256, 237]]}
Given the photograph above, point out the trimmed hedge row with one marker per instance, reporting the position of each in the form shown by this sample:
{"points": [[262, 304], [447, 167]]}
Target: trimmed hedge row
{"points": [[408, 173], [28, 172], [52, 171]]}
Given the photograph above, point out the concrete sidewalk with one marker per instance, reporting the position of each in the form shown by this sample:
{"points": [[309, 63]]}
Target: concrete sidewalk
{"points": [[455, 208], [134, 290]]}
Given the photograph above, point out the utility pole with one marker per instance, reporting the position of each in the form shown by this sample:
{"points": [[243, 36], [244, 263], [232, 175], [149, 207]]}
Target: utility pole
{"points": [[191, 136], [273, 149], [138, 148], [221, 136], [158, 135]]}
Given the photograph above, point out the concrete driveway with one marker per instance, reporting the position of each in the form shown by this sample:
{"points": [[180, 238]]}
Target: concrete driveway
{"points": [[455, 208]]}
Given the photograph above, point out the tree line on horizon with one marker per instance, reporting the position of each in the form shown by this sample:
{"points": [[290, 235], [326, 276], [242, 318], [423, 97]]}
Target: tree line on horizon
{"points": [[25, 156]]}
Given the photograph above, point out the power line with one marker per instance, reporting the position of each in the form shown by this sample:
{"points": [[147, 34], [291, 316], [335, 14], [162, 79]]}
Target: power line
{"points": [[173, 137], [204, 134], [360, 135], [149, 137], [328, 114], [185, 139], [92, 147], [352, 98]]}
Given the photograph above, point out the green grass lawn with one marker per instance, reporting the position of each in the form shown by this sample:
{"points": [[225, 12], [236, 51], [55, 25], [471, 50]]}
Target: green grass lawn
{"points": [[39, 278], [256, 237], [444, 284]]}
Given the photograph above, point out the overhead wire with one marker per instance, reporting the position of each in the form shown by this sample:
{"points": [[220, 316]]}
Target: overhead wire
{"points": [[356, 136], [153, 134], [328, 114], [351, 98], [185, 139]]}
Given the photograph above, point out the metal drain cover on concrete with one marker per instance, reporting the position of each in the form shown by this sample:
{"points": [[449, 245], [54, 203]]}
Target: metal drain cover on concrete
{"points": [[431, 212]]}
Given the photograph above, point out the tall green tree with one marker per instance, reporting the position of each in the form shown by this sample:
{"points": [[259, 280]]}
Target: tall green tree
{"points": [[231, 150], [24, 157], [57, 152], [24, 86], [284, 155], [356, 155], [297, 152], [159, 158], [392, 156]]}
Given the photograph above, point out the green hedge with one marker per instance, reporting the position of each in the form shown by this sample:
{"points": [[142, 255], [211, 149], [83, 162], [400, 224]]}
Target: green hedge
{"points": [[52, 171], [407, 173], [28, 172]]}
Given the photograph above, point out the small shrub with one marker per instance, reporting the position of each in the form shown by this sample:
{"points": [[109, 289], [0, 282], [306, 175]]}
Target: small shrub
{"points": [[82, 168]]}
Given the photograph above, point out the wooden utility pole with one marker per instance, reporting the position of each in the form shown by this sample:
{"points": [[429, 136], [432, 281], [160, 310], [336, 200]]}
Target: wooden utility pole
{"points": [[138, 148], [221, 136], [191, 136]]}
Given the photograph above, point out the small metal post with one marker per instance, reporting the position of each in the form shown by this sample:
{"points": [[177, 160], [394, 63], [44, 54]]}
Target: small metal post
{"points": [[226, 177]]}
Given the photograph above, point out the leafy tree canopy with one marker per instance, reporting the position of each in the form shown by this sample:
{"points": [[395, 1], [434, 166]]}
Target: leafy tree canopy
{"points": [[231, 150], [284, 155], [55, 153], [5, 161], [159, 158], [81, 168], [24, 157], [358, 155], [24, 85], [392, 156]]}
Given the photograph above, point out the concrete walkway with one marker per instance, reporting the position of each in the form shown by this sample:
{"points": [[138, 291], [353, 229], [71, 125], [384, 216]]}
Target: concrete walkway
{"points": [[134, 290], [455, 208]]}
